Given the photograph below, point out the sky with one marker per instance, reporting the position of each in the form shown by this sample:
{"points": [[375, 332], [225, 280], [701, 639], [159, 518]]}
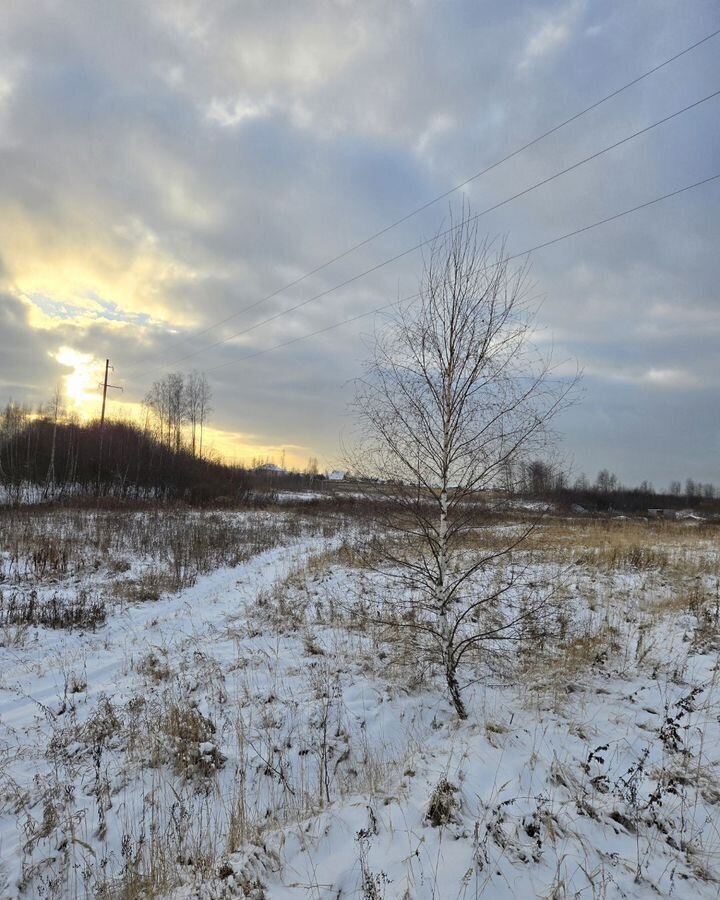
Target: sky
{"points": [[165, 165]]}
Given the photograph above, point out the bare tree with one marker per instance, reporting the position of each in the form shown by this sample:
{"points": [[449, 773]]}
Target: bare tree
{"points": [[198, 407], [13, 424], [539, 478], [454, 398], [606, 482], [203, 394], [192, 388], [175, 402], [53, 410], [157, 406], [177, 407]]}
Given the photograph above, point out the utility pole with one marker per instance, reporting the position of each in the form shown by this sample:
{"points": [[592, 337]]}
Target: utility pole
{"points": [[102, 414], [104, 387]]}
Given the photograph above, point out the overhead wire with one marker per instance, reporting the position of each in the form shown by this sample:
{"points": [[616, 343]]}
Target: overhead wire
{"points": [[444, 233], [426, 205], [524, 253]]}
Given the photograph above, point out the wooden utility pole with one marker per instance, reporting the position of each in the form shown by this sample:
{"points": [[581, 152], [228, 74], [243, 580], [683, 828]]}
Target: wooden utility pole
{"points": [[105, 387]]}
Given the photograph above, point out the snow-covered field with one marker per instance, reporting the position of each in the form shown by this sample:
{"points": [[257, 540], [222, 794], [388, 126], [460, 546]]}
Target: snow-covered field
{"points": [[222, 716]]}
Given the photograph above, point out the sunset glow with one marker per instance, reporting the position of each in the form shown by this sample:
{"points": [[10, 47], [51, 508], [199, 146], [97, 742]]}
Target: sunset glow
{"points": [[80, 385]]}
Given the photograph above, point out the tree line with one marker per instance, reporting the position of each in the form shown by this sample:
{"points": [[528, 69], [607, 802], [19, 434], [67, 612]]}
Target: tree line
{"points": [[162, 457], [48, 453], [542, 480], [48, 460]]}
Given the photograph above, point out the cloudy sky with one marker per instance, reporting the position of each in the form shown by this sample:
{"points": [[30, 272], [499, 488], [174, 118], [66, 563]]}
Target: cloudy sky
{"points": [[165, 165]]}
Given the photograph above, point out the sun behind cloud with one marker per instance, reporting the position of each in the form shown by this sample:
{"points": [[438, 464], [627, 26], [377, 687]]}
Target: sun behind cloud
{"points": [[80, 386], [82, 392]]}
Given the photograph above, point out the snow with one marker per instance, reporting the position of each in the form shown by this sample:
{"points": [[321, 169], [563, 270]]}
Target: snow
{"points": [[301, 496], [320, 748], [528, 505], [30, 494]]}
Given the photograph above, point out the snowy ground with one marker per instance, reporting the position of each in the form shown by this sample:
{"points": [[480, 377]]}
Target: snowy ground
{"points": [[254, 734]]}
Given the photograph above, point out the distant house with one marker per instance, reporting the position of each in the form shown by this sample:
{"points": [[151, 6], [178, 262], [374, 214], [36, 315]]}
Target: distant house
{"points": [[336, 475], [270, 469], [662, 514]]}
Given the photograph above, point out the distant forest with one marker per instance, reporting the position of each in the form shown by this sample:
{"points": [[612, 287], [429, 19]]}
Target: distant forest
{"points": [[543, 481], [164, 459]]}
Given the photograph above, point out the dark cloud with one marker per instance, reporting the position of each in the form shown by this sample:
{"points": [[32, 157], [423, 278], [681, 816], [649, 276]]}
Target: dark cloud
{"points": [[165, 165], [27, 372]]}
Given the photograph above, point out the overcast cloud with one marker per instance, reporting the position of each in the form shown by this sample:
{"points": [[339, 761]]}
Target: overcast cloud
{"points": [[164, 165]]}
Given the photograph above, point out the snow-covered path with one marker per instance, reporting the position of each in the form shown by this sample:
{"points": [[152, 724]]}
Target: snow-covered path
{"points": [[193, 616], [57, 679]]}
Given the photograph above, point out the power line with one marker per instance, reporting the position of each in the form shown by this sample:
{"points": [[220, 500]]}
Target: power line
{"points": [[524, 253], [472, 218], [462, 184]]}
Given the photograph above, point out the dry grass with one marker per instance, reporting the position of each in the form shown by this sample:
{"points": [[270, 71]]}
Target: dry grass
{"points": [[190, 742], [41, 546], [154, 667], [623, 577], [27, 610], [611, 544]]}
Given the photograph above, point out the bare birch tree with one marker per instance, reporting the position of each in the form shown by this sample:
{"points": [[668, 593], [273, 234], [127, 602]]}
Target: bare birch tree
{"points": [[176, 402], [194, 398], [454, 397], [157, 405], [53, 410], [203, 395]]}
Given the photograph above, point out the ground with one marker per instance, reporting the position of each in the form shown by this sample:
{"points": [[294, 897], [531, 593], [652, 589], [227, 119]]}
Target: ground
{"points": [[205, 705]]}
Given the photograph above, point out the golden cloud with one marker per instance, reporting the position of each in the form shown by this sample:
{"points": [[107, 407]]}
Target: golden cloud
{"points": [[70, 276]]}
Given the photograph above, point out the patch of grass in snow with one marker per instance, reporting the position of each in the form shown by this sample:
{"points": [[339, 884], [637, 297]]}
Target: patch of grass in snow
{"points": [[177, 546], [28, 610], [444, 804], [613, 545]]}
